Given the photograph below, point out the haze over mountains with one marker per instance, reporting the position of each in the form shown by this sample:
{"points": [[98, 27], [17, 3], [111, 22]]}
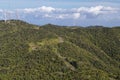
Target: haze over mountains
{"points": [[51, 52]]}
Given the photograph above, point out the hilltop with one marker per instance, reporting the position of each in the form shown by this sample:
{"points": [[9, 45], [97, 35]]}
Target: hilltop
{"points": [[51, 52]]}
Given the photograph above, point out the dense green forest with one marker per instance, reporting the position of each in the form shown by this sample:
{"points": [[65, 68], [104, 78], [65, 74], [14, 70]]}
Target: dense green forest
{"points": [[51, 52]]}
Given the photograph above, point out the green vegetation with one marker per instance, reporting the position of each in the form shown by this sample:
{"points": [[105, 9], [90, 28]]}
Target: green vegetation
{"points": [[50, 52]]}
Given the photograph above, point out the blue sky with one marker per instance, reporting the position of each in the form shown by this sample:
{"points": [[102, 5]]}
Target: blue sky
{"points": [[63, 12], [12, 4]]}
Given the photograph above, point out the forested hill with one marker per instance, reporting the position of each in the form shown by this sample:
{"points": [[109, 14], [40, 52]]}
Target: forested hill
{"points": [[50, 52]]}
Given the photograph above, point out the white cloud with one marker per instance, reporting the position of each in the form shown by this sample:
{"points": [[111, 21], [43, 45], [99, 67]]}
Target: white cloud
{"points": [[95, 10], [47, 16], [29, 10], [76, 15], [1, 10], [62, 16], [51, 13], [39, 9], [47, 9]]}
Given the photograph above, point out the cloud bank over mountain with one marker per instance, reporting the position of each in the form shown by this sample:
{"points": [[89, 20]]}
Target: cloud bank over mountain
{"points": [[73, 16]]}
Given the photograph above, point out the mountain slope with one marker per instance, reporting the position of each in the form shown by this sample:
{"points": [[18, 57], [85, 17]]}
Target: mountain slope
{"points": [[50, 52]]}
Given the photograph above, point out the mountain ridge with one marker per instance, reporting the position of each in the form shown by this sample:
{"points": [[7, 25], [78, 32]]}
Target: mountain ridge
{"points": [[51, 52]]}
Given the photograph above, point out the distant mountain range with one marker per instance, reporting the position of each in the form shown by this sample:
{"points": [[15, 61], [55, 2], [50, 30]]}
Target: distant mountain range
{"points": [[51, 52]]}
